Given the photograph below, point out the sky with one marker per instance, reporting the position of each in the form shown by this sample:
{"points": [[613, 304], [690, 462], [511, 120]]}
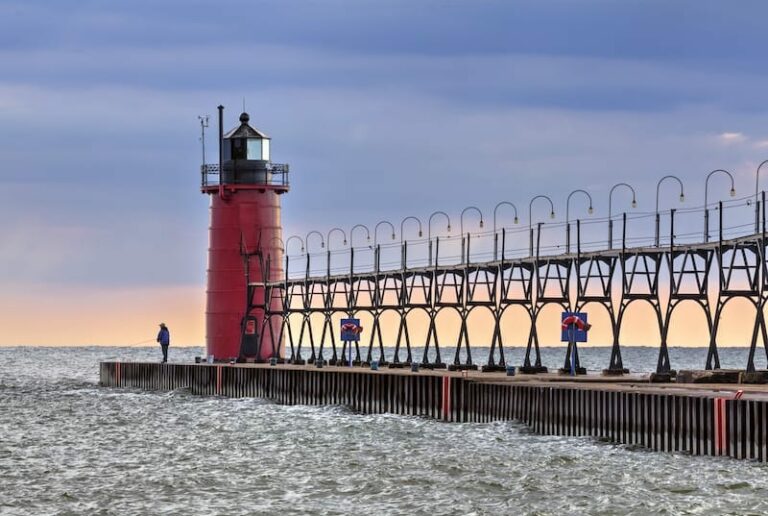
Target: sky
{"points": [[383, 109]]}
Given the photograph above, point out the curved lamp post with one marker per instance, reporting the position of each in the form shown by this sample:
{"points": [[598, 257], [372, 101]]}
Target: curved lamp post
{"points": [[376, 231], [429, 230], [461, 227], [328, 241], [288, 242], [757, 202], [285, 247], [402, 225], [352, 234], [568, 216], [610, 209], [706, 197], [331, 232], [658, 186], [313, 232], [403, 243], [530, 217], [496, 240]]}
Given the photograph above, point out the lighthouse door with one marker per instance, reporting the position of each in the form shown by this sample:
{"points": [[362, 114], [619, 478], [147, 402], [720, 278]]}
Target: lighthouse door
{"points": [[249, 341]]}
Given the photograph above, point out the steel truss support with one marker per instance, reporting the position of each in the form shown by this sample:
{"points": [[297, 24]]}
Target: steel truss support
{"points": [[497, 345], [376, 338], [402, 331], [571, 281], [742, 274], [594, 283]]}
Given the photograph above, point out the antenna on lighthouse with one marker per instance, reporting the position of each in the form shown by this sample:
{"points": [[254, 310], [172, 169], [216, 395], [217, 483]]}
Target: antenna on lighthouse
{"points": [[203, 125]]}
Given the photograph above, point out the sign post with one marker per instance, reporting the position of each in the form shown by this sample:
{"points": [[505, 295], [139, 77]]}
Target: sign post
{"points": [[350, 332], [573, 329]]}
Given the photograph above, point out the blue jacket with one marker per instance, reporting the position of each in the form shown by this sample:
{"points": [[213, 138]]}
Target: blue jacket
{"points": [[164, 337]]}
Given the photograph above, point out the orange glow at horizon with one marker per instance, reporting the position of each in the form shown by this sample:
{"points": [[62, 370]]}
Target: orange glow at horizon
{"points": [[79, 316], [639, 327]]}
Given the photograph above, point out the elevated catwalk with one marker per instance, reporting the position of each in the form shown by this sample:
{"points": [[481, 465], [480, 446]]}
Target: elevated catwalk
{"points": [[701, 419]]}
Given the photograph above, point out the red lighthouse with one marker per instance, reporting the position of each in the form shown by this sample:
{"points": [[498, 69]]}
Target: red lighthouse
{"points": [[244, 189]]}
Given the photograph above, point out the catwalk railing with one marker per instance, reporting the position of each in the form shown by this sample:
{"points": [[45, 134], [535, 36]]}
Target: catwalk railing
{"points": [[660, 272], [275, 174]]}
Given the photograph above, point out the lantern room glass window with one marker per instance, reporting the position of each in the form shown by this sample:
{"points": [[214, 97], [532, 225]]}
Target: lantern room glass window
{"points": [[254, 148], [265, 150]]}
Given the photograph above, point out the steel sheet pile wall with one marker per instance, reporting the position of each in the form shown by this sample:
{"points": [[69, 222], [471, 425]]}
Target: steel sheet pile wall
{"points": [[690, 423]]}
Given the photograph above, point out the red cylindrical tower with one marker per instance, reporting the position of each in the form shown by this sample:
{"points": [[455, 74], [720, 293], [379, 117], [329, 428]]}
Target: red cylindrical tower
{"points": [[244, 189]]}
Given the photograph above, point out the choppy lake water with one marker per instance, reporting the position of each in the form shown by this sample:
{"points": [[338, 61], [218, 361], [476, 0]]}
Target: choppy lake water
{"points": [[68, 446]]}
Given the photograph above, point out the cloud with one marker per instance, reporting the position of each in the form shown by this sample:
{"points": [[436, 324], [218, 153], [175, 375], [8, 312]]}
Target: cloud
{"points": [[651, 30], [134, 183], [401, 131], [559, 81], [729, 138]]}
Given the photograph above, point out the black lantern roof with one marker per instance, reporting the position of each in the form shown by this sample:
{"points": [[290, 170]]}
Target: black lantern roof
{"points": [[244, 130]]}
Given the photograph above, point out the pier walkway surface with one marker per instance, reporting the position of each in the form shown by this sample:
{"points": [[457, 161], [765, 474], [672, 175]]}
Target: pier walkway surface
{"points": [[696, 418]]}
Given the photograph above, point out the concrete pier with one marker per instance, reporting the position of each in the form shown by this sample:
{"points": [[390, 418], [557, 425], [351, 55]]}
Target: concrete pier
{"points": [[700, 419]]}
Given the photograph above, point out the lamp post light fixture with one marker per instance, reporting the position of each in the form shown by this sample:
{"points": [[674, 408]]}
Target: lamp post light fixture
{"points": [[610, 209], [530, 217], [495, 240], [658, 187], [757, 202], [288, 242], [402, 226], [313, 232], [331, 232], [352, 234], [461, 227], [328, 247], [568, 216], [429, 230], [376, 231], [429, 223], [732, 193]]}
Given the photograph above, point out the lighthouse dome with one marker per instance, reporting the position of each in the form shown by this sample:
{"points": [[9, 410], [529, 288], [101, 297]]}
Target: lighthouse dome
{"points": [[244, 130]]}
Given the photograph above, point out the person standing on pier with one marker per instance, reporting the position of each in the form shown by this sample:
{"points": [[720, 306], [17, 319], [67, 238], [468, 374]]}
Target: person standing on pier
{"points": [[164, 338]]}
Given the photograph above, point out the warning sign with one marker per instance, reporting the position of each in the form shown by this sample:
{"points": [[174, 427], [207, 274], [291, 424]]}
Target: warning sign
{"points": [[574, 327], [350, 330]]}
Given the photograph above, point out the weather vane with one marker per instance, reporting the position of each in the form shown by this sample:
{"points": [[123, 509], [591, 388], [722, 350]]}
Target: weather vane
{"points": [[203, 124]]}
